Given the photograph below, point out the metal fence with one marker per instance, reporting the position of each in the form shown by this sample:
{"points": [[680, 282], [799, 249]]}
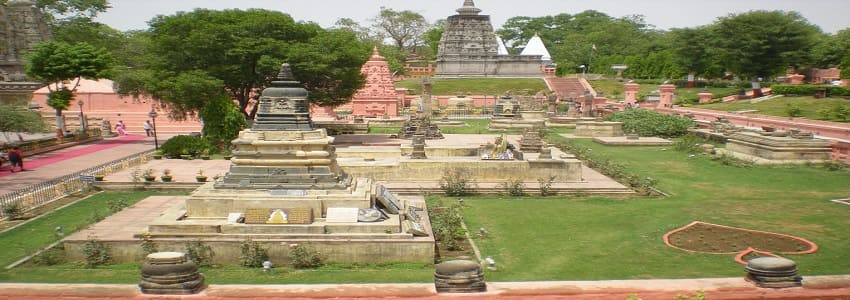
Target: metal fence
{"points": [[40, 193]]}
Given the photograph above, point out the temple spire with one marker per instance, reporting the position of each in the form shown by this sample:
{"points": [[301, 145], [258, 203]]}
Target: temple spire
{"points": [[376, 56], [468, 8]]}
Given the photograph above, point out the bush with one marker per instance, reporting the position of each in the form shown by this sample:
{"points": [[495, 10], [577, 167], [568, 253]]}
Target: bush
{"points": [[96, 253], [447, 225], [688, 143], [808, 90], [12, 210], [199, 253], [455, 182], [252, 254], [546, 185], [514, 187], [303, 259], [183, 145], [650, 123], [793, 110]]}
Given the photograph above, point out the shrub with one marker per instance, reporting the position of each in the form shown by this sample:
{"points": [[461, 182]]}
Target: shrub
{"points": [[455, 182], [304, 259], [546, 185], [447, 224], [183, 144], [688, 143], [12, 210], [50, 257], [148, 246], [514, 187], [729, 160], [650, 123], [252, 254], [199, 253], [793, 110], [116, 204], [96, 253]]}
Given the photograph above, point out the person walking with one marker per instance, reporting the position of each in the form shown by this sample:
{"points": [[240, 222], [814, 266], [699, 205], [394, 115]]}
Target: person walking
{"points": [[148, 127], [16, 157], [122, 129]]}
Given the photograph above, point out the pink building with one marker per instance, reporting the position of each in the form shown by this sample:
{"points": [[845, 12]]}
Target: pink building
{"points": [[378, 96]]}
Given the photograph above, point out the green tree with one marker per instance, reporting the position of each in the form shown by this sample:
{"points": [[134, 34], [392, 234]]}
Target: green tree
{"points": [[222, 121], [845, 66], [432, 38], [244, 50], [829, 50], [59, 9], [692, 51], [83, 29], [405, 28], [763, 43], [61, 66]]}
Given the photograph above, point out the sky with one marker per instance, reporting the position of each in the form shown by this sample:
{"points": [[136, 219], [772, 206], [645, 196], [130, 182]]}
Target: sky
{"points": [[829, 15]]}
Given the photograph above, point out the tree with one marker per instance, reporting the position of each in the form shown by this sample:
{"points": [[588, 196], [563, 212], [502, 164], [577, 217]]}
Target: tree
{"points": [[60, 65], [693, 52], [405, 28], [845, 66], [83, 29], [59, 9], [432, 38], [244, 49], [763, 43], [222, 120]]}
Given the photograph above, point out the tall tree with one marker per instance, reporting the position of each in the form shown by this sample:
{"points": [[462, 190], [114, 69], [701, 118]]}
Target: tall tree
{"points": [[405, 27], [764, 43], [693, 52], [61, 9], [61, 66], [243, 49]]}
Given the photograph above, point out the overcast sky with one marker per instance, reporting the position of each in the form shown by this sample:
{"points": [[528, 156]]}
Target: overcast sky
{"points": [[829, 15]]}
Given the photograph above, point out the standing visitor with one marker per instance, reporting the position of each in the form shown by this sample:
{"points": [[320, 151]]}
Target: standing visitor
{"points": [[148, 127], [16, 157], [122, 130]]}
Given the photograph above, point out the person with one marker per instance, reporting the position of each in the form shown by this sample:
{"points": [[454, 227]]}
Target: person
{"points": [[122, 130], [148, 127], [3, 157], [16, 157]]}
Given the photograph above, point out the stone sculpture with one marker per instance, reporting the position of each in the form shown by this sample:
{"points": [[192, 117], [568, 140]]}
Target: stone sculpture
{"points": [[170, 273]]}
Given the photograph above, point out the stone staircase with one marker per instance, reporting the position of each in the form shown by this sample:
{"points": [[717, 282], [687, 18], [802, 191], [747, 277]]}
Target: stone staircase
{"points": [[567, 87]]}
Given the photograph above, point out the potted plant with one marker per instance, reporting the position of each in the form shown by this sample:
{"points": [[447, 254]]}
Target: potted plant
{"points": [[184, 154], [228, 155], [200, 177], [148, 175], [166, 175], [205, 155], [98, 177], [157, 154]]}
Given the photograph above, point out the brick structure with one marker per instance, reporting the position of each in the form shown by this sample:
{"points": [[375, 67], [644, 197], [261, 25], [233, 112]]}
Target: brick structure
{"points": [[21, 27], [378, 96]]}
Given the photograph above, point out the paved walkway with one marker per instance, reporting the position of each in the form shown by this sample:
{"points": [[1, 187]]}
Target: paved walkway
{"points": [[46, 166]]}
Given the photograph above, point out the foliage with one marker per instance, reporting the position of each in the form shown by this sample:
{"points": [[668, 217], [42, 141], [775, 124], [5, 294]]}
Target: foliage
{"points": [[15, 118], [222, 121], [808, 89], [83, 29], [650, 123], [243, 51], [304, 259], [763, 43], [96, 253], [845, 65], [252, 254], [688, 143], [546, 185], [835, 165], [729, 160], [12, 210], [456, 182], [199, 253], [56, 9], [50, 257], [117, 204], [60, 99], [447, 224], [148, 246], [182, 145], [514, 187], [405, 28], [793, 110]]}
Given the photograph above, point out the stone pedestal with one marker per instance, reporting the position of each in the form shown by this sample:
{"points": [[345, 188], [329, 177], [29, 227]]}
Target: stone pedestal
{"points": [[631, 93], [170, 273], [599, 129], [459, 276], [773, 272], [418, 147], [530, 141], [705, 97], [666, 95], [777, 149]]}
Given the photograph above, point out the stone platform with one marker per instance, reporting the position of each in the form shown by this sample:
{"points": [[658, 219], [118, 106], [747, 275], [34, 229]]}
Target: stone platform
{"points": [[765, 149], [626, 141]]}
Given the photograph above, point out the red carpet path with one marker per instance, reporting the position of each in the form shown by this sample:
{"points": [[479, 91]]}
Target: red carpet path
{"points": [[57, 156]]}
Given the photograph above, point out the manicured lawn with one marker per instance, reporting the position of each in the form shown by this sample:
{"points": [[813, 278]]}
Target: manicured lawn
{"points": [[477, 86], [810, 106], [592, 238]]}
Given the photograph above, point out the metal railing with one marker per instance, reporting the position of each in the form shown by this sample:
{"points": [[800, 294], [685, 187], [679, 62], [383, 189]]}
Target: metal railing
{"points": [[40, 193]]}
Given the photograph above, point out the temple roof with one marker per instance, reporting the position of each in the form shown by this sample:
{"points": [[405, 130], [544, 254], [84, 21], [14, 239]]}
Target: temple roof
{"points": [[502, 50], [375, 55], [535, 47], [468, 8]]}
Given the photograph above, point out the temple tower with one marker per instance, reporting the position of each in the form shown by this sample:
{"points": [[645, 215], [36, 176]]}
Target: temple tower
{"points": [[378, 96], [21, 26]]}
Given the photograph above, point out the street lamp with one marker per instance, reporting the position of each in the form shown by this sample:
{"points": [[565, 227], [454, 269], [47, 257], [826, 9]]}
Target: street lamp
{"points": [[82, 117], [152, 114]]}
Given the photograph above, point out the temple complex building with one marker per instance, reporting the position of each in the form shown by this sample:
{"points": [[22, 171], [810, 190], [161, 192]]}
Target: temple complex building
{"points": [[469, 47], [378, 97], [21, 27]]}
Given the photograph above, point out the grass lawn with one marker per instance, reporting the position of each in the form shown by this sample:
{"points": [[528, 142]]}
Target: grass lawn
{"points": [[477, 86], [810, 106], [593, 238]]}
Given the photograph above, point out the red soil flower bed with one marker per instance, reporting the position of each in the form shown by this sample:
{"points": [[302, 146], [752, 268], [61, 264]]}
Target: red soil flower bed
{"points": [[712, 238]]}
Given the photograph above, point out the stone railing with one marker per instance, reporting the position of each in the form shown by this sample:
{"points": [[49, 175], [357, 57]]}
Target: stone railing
{"points": [[38, 194]]}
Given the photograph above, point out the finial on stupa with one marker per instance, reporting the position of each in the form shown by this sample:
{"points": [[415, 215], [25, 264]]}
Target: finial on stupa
{"points": [[285, 73], [375, 54], [468, 8]]}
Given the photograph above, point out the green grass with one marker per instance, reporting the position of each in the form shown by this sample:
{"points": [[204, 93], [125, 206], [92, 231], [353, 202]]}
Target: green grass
{"points": [[477, 86], [810, 106], [593, 238]]}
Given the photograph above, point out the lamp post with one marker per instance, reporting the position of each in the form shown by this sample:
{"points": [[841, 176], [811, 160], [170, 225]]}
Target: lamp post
{"points": [[152, 114], [82, 117]]}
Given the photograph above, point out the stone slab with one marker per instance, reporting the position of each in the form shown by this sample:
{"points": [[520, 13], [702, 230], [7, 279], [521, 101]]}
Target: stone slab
{"points": [[342, 215], [625, 141]]}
